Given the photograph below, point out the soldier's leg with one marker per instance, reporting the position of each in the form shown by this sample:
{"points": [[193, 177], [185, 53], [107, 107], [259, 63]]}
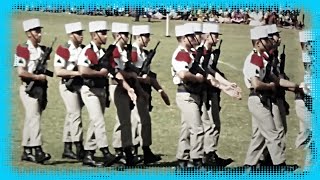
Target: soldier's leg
{"points": [[304, 136], [146, 134], [215, 117], [73, 127], [268, 130], [189, 107], [135, 126], [123, 128], [283, 114], [31, 130], [257, 145], [95, 99]]}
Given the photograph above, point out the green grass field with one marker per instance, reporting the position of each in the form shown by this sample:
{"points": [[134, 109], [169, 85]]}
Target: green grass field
{"points": [[235, 117]]}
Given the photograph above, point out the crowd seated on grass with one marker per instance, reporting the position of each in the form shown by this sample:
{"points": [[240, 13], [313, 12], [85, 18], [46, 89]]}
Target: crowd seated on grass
{"points": [[282, 17]]}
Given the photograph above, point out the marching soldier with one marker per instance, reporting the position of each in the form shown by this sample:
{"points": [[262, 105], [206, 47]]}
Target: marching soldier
{"points": [[303, 103], [190, 145], [140, 117], [122, 134], [93, 92], [206, 38], [65, 63], [280, 107], [211, 98], [27, 59], [263, 127]]}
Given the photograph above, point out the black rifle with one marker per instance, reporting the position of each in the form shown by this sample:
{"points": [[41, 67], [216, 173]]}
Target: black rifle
{"points": [[196, 68], [216, 54], [283, 60], [145, 66], [40, 68]]}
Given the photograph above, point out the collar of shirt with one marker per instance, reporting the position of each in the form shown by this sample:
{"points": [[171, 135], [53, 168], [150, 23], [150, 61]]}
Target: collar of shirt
{"points": [[183, 48], [72, 46], [95, 47], [30, 45]]}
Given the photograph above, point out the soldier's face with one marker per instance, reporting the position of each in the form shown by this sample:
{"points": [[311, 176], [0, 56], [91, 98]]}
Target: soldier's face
{"points": [[77, 36], [35, 34], [124, 37], [264, 44], [276, 40], [145, 39], [189, 40], [102, 36], [214, 38]]}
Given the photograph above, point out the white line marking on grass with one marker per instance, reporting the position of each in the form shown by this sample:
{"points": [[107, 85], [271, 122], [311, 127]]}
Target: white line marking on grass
{"points": [[230, 65]]}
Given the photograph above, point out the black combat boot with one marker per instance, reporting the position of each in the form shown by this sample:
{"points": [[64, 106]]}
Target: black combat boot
{"points": [[109, 159], [79, 150], [131, 160], [41, 156], [148, 155], [68, 153], [27, 155], [88, 160]]}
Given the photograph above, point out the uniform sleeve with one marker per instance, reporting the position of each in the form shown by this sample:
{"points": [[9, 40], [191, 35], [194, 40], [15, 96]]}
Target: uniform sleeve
{"points": [[21, 57], [181, 61], [87, 57]]}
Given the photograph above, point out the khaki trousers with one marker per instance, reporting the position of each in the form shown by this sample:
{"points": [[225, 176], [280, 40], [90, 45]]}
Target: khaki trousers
{"points": [[95, 101], [190, 145], [31, 135], [72, 131]]}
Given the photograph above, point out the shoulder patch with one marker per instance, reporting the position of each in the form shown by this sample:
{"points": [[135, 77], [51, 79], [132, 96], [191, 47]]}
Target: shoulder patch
{"points": [[63, 52], [92, 56], [23, 52], [183, 56], [116, 53], [257, 60]]}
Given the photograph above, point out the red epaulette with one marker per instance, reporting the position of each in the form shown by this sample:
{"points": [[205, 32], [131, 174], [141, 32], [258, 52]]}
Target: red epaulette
{"points": [[116, 53], [23, 52], [183, 56], [92, 56], [63, 52], [134, 54], [257, 60]]}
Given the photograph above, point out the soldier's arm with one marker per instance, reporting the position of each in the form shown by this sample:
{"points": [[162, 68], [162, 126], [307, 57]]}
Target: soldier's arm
{"points": [[127, 74], [24, 74], [88, 72], [222, 79], [259, 85], [188, 76], [61, 72], [284, 83]]}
